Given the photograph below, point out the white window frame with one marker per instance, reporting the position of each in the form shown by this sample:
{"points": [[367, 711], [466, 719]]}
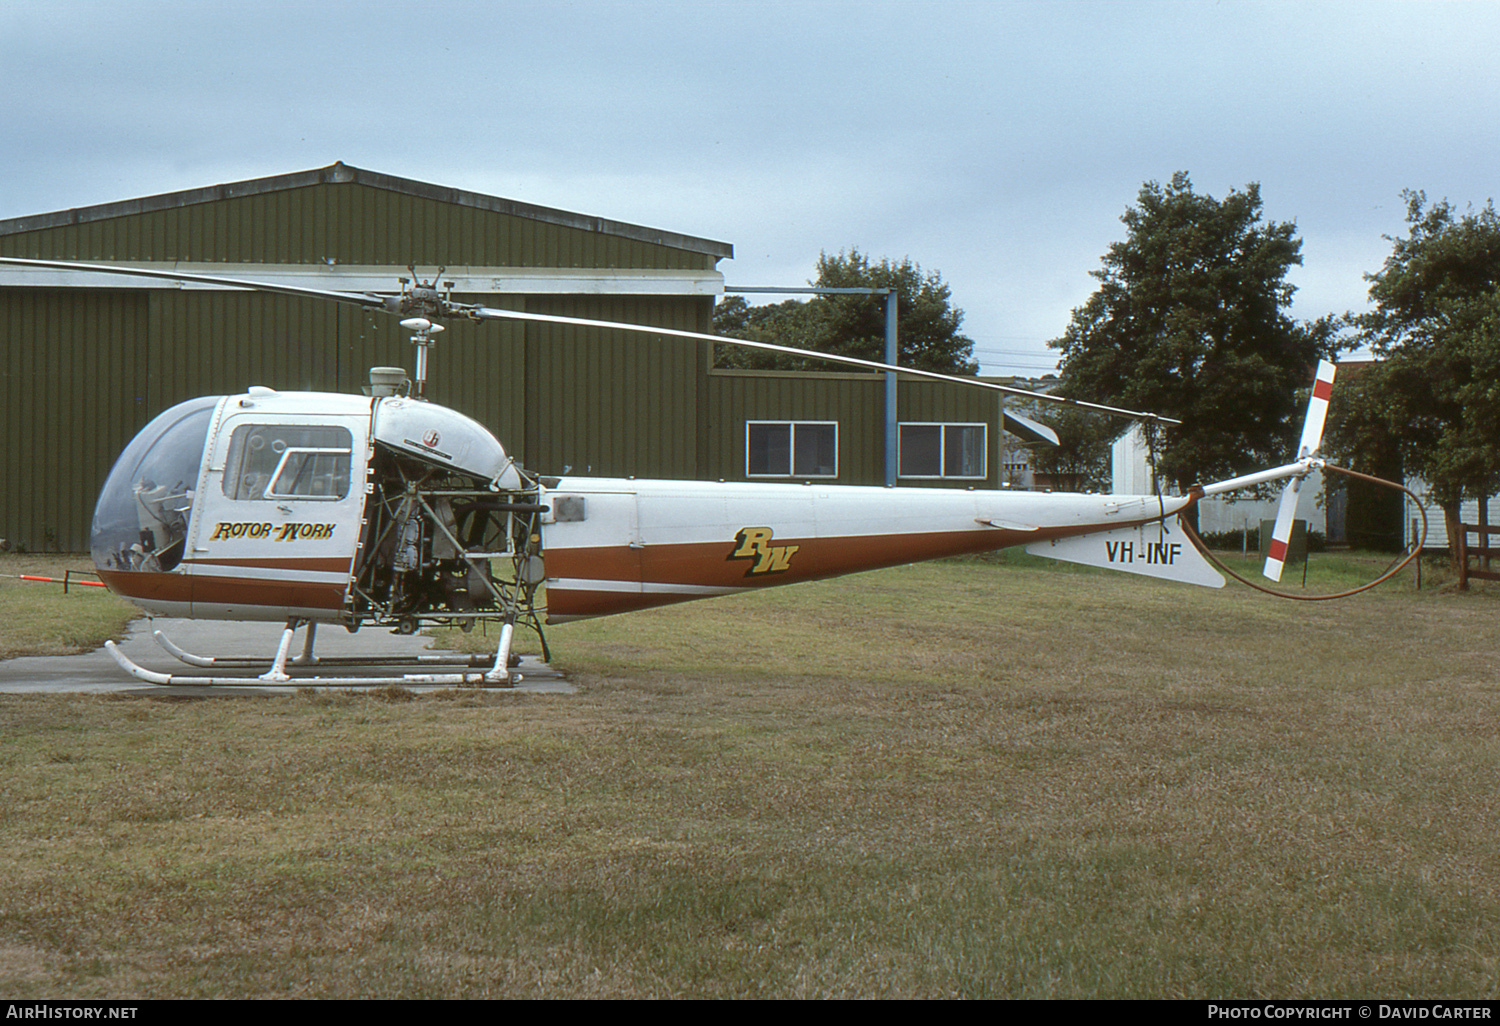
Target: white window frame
{"points": [[288, 459], [792, 425], [943, 474]]}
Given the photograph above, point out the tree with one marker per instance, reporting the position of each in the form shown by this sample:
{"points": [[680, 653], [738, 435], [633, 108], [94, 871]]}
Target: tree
{"points": [[927, 325], [1189, 321], [1080, 461], [790, 323], [1435, 394], [1359, 436]]}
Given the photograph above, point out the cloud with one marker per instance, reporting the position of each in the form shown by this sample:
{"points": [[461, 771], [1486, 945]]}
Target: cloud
{"points": [[997, 143]]}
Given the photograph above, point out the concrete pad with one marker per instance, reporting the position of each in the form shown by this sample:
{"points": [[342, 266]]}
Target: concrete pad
{"points": [[97, 673]]}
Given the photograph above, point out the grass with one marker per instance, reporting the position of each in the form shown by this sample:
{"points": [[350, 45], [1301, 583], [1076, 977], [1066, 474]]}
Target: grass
{"points": [[971, 778], [37, 618]]}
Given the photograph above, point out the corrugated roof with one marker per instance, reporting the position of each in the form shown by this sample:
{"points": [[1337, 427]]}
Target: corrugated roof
{"points": [[340, 172]]}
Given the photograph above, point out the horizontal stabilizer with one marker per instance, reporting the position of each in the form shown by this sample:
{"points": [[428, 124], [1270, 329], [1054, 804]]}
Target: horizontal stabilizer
{"points": [[1004, 525], [1158, 549]]}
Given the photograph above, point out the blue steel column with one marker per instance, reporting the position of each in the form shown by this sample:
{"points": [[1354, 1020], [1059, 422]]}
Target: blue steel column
{"points": [[891, 353]]}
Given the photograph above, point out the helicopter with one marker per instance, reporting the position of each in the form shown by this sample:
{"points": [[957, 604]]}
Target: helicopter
{"points": [[387, 509]]}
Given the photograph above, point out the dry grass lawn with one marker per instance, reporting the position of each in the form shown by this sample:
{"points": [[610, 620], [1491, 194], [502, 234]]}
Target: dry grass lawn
{"points": [[979, 779], [37, 618]]}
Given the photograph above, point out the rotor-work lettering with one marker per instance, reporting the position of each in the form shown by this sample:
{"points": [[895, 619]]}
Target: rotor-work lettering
{"points": [[302, 532], [224, 531]]}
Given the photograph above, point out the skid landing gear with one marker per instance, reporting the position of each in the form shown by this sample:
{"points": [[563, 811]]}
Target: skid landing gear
{"points": [[498, 675]]}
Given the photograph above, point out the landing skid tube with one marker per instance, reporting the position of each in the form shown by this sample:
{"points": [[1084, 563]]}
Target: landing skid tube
{"points": [[308, 659], [499, 674]]}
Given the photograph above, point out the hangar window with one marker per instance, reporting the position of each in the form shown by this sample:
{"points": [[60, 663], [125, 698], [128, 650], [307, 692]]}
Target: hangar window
{"points": [[287, 461], [942, 450], [791, 448]]}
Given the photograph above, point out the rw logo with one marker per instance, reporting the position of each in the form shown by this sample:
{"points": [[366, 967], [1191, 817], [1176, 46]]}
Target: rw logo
{"points": [[755, 543]]}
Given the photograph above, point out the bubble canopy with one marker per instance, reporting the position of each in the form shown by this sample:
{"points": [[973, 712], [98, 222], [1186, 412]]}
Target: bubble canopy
{"points": [[141, 520]]}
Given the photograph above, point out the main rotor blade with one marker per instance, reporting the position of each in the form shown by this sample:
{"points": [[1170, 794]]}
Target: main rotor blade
{"points": [[397, 304], [490, 313], [360, 298]]}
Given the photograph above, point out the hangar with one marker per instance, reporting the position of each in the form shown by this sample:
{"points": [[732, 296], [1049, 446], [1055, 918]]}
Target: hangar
{"points": [[88, 359]]}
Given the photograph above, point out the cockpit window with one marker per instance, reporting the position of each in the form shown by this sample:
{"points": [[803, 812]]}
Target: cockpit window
{"points": [[281, 461], [142, 517]]}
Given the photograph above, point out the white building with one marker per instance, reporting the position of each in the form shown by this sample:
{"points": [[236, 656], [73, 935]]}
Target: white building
{"points": [[1131, 475], [1437, 527]]}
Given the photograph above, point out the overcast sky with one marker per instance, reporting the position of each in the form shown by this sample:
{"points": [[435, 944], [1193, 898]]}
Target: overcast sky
{"points": [[996, 143]]}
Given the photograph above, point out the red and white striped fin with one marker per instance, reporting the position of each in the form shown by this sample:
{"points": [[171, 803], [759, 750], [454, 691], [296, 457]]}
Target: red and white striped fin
{"points": [[1281, 536], [1312, 440], [1317, 411]]}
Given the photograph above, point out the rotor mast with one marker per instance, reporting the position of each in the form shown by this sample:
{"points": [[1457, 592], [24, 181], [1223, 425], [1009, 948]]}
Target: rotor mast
{"points": [[423, 340], [424, 297]]}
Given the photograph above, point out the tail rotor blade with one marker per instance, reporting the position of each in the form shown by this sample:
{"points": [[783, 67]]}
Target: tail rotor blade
{"points": [[1311, 441], [1317, 411], [1281, 535]]}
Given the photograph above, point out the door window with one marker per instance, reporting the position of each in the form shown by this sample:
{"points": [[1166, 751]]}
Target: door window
{"points": [[281, 461]]}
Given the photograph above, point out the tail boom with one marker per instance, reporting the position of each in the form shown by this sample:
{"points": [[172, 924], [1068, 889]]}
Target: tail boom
{"points": [[632, 544]]}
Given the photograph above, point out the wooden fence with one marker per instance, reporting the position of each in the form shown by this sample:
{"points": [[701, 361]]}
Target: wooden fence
{"points": [[1482, 552]]}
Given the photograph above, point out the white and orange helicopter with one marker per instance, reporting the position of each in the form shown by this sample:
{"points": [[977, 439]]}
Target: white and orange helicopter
{"points": [[310, 508]]}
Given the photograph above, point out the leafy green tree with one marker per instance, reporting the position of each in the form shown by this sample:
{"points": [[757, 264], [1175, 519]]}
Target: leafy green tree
{"points": [[790, 323], [1435, 394], [1080, 460], [1359, 435], [927, 324], [1190, 321]]}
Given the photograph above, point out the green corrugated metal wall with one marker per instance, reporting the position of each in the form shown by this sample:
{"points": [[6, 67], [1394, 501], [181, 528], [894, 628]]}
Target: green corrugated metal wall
{"points": [[614, 402], [81, 370], [856, 401], [66, 408]]}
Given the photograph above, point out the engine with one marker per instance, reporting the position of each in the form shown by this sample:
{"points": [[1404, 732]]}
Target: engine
{"points": [[452, 526]]}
